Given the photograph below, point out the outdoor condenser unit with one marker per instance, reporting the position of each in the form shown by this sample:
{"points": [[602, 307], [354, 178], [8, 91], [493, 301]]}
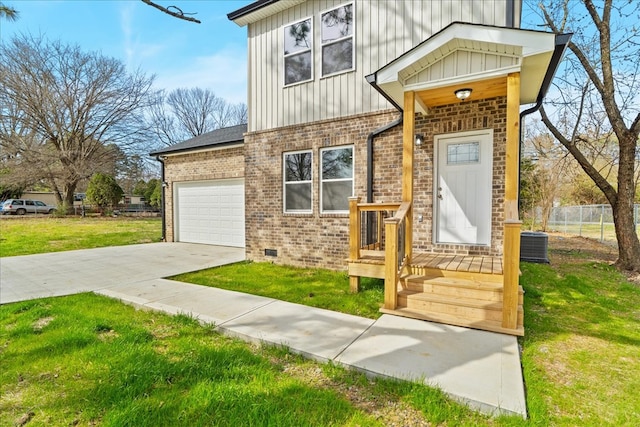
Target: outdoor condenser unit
{"points": [[533, 247]]}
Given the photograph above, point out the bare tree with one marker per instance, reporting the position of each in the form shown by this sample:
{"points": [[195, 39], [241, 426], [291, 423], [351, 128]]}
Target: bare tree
{"points": [[598, 91], [545, 172], [240, 113], [60, 108], [186, 113]]}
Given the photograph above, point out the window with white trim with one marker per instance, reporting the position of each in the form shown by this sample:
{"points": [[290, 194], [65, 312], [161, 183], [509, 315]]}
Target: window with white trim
{"points": [[297, 177], [337, 40], [336, 179], [298, 52]]}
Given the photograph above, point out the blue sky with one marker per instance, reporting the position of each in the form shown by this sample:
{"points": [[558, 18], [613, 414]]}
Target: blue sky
{"points": [[211, 55]]}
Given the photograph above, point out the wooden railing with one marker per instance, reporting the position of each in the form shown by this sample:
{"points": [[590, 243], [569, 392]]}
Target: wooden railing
{"points": [[397, 251], [366, 227]]}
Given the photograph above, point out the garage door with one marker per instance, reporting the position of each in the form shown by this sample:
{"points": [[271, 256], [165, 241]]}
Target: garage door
{"points": [[210, 212]]}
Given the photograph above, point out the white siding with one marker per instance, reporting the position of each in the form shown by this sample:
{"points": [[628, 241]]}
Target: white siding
{"points": [[383, 31]]}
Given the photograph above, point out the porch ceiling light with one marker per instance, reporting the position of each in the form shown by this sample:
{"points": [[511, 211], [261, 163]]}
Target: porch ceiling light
{"points": [[463, 94], [419, 139]]}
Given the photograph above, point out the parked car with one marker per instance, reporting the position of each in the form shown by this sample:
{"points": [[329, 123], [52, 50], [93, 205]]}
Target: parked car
{"points": [[23, 206]]}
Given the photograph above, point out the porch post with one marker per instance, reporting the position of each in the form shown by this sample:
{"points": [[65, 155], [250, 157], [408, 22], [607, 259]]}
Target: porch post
{"points": [[391, 264], [513, 147], [408, 137], [354, 240], [511, 244]]}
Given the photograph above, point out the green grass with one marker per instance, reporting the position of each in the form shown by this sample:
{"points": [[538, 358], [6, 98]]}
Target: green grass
{"points": [[314, 287], [581, 351], [582, 346], [89, 360], [33, 235]]}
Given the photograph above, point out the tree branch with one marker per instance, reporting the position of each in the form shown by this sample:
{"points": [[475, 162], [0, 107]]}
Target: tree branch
{"points": [[608, 190], [180, 14]]}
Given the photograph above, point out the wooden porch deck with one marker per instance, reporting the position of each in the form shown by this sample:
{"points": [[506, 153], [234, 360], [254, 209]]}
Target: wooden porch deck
{"points": [[461, 263]]}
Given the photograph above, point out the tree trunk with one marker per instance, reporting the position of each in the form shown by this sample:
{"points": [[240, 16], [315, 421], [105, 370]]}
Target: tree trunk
{"points": [[68, 196], [628, 242]]}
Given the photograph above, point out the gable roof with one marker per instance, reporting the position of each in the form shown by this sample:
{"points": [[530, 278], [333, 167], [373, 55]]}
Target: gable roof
{"points": [[260, 9], [232, 135], [463, 53]]}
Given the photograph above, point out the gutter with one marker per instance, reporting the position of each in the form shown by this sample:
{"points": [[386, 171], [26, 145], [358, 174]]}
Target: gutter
{"points": [[251, 7], [372, 79], [162, 198], [562, 40]]}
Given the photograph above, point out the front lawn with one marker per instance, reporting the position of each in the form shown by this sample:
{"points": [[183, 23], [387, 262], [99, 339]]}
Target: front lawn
{"points": [[88, 360], [581, 350], [37, 234], [314, 287]]}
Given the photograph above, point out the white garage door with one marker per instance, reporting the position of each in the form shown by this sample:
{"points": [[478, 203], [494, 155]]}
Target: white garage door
{"points": [[210, 212]]}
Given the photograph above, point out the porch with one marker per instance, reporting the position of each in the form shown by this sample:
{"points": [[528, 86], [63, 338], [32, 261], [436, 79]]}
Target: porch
{"points": [[473, 189], [462, 290]]}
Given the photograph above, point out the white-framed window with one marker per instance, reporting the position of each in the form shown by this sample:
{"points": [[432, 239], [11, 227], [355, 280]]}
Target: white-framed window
{"points": [[336, 31], [463, 153], [298, 52], [297, 176], [336, 179]]}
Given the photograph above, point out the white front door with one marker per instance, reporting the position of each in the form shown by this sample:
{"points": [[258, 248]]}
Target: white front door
{"points": [[463, 188]]}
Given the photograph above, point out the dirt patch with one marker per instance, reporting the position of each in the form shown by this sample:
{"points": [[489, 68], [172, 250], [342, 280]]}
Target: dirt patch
{"points": [[572, 249], [41, 323]]}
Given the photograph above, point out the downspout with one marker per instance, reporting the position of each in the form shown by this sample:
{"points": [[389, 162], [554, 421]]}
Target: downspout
{"points": [[162, 198], [370, 139], [371, 79], [562, 40]]}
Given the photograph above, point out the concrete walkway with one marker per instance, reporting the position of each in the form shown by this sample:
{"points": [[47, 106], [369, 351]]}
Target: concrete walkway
{"points": [[481, 369]]}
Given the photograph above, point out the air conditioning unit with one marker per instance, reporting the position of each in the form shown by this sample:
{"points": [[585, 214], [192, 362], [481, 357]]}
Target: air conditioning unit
{"points": [[533, 247]]}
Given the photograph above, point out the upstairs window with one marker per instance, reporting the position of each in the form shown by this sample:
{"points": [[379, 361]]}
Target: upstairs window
{"points": [[336, 178], [337, 40], [298, 58], [297, 182]]}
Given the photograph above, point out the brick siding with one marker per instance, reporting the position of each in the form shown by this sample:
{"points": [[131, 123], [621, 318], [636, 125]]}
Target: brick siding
{"points": [[322, 240]]}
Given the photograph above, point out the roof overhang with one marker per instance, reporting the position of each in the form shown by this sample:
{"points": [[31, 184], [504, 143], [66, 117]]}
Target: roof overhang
{"points": [[168, 152], [260, 9], [471, 56]]}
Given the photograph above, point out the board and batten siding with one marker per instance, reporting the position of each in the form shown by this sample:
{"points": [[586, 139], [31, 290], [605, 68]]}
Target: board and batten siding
{"points": [[383, 31]]}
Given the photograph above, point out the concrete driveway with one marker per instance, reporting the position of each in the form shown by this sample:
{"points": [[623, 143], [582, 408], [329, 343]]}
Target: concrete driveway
{"points": [[64, 273]]}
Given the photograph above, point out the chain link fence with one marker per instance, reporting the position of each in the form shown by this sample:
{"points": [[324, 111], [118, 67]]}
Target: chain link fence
{"points": [[593, 221]]}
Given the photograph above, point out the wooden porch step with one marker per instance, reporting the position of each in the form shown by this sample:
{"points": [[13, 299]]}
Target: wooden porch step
{"points": [[466, 308], [486, 325], [456, 287]]}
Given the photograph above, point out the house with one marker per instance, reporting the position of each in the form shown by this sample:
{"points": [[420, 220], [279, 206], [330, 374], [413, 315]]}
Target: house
{"points": [[383, 138]]}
